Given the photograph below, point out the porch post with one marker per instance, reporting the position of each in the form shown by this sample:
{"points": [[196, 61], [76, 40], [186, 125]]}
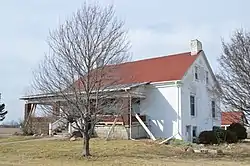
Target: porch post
{"points": [[50, 129], [130, 117], [27, 109], [125, 110], [56, 109], [69, 128]]}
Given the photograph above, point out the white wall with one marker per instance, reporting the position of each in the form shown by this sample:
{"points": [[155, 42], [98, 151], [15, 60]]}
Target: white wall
{"points": [[161, 108], [203, 118], [161, 104]]}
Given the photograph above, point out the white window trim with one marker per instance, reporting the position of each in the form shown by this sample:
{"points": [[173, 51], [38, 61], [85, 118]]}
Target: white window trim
{"points": [[212, 109], [196, 71], [196, 131], [195, 105], [206, 77]]}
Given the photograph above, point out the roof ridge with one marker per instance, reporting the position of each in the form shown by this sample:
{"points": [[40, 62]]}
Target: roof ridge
{"points": [[158, 57]]}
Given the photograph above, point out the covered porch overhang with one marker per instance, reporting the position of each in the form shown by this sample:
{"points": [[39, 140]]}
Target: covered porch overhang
{"points": [[136, 90], [126, 92]]}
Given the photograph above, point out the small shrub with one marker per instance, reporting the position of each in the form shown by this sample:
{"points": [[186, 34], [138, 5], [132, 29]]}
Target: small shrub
{"points": [[76, 134], [220, 135], [230, 137], [26, 132], [217, 136], [239, 129], [216, 128], [207, 137]]}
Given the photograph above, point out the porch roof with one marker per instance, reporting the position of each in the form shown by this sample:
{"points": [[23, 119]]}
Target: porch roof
{"points": [[54, 97]]}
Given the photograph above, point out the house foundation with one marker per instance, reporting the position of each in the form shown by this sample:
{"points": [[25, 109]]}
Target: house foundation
{"points": [[121, 132]]}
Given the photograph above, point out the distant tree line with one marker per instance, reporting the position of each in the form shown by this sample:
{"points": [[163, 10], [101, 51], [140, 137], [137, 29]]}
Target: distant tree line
{"points": [[11, 124]]}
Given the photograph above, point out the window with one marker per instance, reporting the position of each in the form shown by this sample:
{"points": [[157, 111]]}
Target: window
{"points": [[196, 72], [188, 133], [109, 106], [137, 101], [206, 77], [192, 105], [194, 133], [136, 105], [213, 109]]}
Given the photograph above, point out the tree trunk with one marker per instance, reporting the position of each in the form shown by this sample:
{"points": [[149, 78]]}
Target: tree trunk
{"points": [[86, 139]]}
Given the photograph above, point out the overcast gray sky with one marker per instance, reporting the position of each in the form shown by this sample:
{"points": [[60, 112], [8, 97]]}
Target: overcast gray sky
{"points": [[156, 27]]}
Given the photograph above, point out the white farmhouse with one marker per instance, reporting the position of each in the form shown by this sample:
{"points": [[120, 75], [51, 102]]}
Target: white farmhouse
{"points": [[180, 101], [178, 98]]}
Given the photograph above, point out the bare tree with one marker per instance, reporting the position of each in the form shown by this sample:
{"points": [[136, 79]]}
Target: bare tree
{"points": [[234, 75], [84, 52]]}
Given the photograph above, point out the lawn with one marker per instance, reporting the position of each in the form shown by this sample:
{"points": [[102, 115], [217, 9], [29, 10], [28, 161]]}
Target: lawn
{"points": [[15, 138], [114, 152]]}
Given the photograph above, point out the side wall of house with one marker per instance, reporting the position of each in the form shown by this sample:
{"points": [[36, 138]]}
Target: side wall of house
{"points": [[161, 107], [199, 88]]}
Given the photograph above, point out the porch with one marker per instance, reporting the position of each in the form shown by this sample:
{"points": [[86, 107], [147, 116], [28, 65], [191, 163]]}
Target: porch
{"points": [[129, 121]]}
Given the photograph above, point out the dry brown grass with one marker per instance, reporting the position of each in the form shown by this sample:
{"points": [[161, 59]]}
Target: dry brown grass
{"points": [[6, 131], [115, 152], [15, 138]]}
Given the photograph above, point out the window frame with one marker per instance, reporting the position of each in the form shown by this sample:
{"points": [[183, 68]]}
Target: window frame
{"points": [[196, 75], [194, 130], [213, 109], [206, 75], [194, 127], [192, 105]]}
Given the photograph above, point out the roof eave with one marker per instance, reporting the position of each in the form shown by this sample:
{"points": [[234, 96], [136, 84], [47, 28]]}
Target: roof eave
{"points": [[43, 96]]}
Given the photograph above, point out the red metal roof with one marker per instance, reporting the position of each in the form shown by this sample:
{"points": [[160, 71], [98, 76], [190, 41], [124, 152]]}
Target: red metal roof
{"points": [[164, 68], [228, 118]]}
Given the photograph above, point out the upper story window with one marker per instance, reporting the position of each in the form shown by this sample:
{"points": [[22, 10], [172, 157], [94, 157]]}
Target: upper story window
{"points": [[196, 72], [206, 77], [213, 109], [192, 105]]}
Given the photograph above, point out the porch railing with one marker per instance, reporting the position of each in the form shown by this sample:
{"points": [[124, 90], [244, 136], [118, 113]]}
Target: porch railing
{"points": [[57, 124]]}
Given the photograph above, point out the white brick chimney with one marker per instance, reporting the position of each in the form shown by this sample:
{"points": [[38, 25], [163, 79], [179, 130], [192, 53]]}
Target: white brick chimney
{"points": [[196, 46]]}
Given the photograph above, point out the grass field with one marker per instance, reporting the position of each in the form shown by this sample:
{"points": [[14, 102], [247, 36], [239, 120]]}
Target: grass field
{"points": [[15, 138], [9, 130], [115, 152]]}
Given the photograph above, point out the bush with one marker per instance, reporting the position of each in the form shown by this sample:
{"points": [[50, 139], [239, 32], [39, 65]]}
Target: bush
{"points": [[230, 137], [76, 134], [216, 128], [220, 135], [207, 137], [217, 136], [239, 129]]}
